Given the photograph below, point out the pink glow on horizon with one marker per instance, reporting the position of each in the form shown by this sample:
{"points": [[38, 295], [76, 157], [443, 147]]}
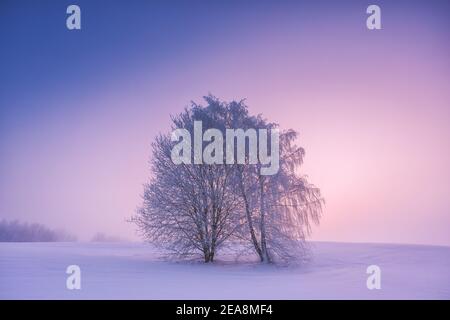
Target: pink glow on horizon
{"points": [[373, 121]]}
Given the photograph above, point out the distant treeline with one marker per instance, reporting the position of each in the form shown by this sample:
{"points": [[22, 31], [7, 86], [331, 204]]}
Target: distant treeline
{"points": [[101, 237], [16, 231]]}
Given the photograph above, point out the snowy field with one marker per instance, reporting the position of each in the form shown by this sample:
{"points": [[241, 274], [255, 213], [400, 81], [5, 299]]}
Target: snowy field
{"points": [[136, 271]]}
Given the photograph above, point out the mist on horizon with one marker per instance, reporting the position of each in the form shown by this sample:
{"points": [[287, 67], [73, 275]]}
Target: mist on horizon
{"points": [[78, 111]]}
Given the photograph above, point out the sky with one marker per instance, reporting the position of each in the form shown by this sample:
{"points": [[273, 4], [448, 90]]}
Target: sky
{"points": [[80, 108]]}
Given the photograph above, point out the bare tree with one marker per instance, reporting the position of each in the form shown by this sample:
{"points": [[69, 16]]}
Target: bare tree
{"points": [[194, 208], [188, 208], [289, 205], [279, 209]]}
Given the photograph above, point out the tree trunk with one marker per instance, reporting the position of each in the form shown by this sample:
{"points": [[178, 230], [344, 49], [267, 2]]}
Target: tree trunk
{"points": [[249, 219], [208, 255], [265, 257]]}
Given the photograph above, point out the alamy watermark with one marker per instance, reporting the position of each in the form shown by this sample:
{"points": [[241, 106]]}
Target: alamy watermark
{"points": [[374, 278], [73, 281], [373, 21], [234, 147], [73, 21]]}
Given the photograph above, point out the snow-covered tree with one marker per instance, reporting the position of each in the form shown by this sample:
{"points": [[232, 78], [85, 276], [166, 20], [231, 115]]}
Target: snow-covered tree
{"points": [[192, 207], [279, 209], [189, 208]]}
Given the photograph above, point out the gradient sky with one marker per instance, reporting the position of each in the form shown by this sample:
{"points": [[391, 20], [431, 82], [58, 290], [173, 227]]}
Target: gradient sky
{"points": [[79, 109]]}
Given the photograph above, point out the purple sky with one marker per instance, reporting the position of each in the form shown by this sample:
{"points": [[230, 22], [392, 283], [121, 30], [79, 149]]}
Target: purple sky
{"points": [[78, 111]]}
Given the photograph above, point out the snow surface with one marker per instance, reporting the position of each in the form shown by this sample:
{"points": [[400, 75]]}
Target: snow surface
{"points": [[137, 271]]}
